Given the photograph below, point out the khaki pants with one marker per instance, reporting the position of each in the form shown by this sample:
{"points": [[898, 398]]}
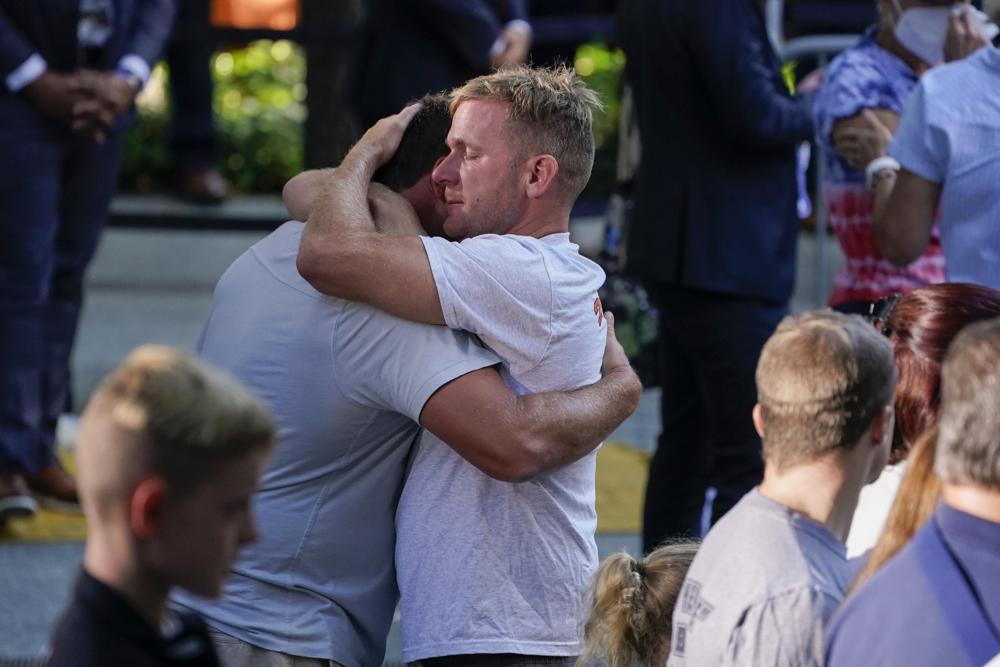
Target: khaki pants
{"points": [[235, 652]]}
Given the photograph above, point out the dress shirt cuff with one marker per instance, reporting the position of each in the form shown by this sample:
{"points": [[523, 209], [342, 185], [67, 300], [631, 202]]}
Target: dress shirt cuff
{"points": [[26, 72], [135, 65]]}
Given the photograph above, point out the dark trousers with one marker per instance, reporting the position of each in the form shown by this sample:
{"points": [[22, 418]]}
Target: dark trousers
{"points": [[54, 195], [709, 345], [188, 56]]}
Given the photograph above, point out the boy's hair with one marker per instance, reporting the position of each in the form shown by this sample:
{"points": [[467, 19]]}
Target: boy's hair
{"points": [[821, 379], [422, 144], [633, 603], [163, 412], [550, 113], [968, 449]]}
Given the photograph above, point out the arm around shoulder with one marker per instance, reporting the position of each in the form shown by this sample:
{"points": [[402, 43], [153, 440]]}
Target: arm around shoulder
{"points": [[515, 438]]}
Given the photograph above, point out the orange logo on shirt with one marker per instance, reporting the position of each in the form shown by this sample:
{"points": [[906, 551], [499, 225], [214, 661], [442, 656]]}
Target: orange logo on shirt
{"points": [[599, 311]]}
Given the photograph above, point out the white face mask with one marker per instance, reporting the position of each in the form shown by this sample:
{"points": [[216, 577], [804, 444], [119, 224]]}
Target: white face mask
{"points": [[922, 30]]}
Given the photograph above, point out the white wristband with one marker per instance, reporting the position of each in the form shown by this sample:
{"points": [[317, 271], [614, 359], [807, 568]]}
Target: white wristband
{"points": [[877, 165]]}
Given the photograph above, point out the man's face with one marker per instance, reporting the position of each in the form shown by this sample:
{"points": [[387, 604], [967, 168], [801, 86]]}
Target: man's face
{"points": [[201, 532], [481, 175]]}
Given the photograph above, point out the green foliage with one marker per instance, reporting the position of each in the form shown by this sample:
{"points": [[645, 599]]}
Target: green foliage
{"points": [[259, 110], [601, 67]]}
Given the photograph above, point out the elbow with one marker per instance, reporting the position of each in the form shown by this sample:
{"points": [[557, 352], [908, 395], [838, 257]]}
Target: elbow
{"points": [[322, 266], [524, 459], [893, 249]]}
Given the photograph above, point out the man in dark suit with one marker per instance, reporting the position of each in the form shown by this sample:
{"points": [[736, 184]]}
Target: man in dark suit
{"points": [[71, 70], [415, 47], [712, 236]]}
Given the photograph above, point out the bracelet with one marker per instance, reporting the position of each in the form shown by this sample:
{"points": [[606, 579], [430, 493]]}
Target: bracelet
{"points": [[879, 164]]}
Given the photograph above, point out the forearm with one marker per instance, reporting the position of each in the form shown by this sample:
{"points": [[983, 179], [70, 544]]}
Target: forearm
{"points": [[564, 427]]}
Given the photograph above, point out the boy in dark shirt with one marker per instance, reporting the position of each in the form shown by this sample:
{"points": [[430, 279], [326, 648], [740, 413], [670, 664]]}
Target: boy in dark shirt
{"points": [[169, 454]]}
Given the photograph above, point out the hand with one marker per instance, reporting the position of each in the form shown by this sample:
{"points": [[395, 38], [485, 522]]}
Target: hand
{"points": [[515, 40], [106, 96], [394, 216], [54, 95], [614, 354], [380, 142], [963, 37], [812, 81], [859, 145]]}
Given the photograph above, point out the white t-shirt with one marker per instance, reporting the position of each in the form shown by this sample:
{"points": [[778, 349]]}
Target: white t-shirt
{"points": [[873, 508], [487, 566]]}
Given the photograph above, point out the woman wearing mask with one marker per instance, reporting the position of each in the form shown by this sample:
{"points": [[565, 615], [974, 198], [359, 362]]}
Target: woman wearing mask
{"points": [[865, 88]]}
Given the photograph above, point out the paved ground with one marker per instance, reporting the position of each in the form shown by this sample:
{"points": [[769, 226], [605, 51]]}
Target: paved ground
{"points": [[155, 286]]}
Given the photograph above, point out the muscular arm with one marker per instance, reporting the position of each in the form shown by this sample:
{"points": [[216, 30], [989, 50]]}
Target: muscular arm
{"points": [[515, 438], [904, 216], [343, 255]]}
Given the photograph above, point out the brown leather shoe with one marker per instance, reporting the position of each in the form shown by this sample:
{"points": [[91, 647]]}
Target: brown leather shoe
{"points": [[55, 488], [15, 500], [203, 185]]}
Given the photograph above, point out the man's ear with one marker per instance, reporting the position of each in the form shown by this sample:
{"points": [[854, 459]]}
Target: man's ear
{"points": [[883, 425], [146, 505], [542, 172], [758, 421]]}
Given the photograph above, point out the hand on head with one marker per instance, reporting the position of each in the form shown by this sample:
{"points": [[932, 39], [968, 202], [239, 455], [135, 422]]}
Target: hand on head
{"points": [[382, 139], [964, 36]]}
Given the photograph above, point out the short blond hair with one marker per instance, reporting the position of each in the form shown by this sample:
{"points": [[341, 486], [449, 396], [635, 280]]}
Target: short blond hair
{"points": [[551, 113], [163, 412], [821, 379], [968, 450]]}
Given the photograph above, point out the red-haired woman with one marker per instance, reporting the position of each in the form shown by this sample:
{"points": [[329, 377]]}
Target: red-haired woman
{"points": [[920, 324]]}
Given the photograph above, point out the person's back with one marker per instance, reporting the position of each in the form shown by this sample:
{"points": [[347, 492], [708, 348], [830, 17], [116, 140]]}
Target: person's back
{"points": [[771, 572], [761, 565], [346, 383], [722, 156]]}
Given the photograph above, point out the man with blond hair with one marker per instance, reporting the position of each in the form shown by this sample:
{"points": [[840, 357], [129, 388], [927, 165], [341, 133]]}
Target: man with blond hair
{"points": [[490, 572], [770, 573], [938, 601], [170, 452]]}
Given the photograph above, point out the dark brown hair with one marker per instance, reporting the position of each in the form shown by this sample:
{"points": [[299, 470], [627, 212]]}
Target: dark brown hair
{"points": [[422, 144]]}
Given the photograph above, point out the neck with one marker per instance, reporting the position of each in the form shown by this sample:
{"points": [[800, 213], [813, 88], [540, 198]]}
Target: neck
{"points": [[541, 223], [886, 38], [111, 561], [823, 491], [978, 501]]}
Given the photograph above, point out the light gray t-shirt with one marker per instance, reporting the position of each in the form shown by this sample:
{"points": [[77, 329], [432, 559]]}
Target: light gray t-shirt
{"points": [[487, 566], [346, 383], [760, 591]]}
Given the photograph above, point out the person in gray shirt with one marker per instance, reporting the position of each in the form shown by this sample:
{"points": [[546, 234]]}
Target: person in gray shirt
{"points": [[350, 387], [770, 573]]}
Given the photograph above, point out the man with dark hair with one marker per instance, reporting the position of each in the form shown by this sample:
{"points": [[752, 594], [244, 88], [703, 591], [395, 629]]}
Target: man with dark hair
{"points": [[938, 601], [408, 173], [770, 573]]}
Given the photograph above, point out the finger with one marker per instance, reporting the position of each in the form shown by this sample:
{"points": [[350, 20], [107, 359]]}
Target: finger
{"points": [[408, 112], [609, 317]]}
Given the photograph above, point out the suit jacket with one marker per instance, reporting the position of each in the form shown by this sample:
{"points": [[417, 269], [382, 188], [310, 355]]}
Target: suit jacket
{"points": [[416, 47], [48, 27], [714, 198]]}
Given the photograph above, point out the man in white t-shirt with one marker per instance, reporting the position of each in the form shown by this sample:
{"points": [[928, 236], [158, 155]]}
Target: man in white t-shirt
{"points": [[489, 572]]}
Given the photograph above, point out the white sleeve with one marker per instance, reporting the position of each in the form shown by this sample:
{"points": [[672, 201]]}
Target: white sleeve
{"points": [[495, 286]]}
